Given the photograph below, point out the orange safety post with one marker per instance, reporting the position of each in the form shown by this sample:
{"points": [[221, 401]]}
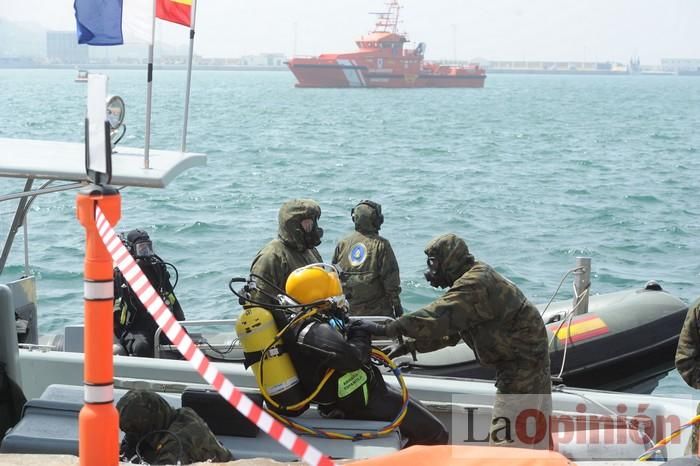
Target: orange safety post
{"points": [[98, 426]]}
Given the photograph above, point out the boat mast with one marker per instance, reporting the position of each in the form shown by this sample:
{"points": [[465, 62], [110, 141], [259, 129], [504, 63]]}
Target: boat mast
{"points": [[388, 21]]}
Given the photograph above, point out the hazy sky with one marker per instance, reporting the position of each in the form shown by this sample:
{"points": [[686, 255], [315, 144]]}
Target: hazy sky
{"points": [[494, 29]]}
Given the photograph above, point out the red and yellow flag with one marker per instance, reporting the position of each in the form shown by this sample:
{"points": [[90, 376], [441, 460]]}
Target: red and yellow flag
{"points": [[176, 11]]}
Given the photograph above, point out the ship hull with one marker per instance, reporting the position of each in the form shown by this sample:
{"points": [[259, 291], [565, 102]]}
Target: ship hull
{"points": [[348, 73]]}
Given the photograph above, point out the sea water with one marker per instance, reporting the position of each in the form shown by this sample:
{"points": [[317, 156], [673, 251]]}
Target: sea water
{"points": [[532, 171]]}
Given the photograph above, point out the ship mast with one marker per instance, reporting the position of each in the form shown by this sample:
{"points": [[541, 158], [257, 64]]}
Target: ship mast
{"points": [[388, 21]]}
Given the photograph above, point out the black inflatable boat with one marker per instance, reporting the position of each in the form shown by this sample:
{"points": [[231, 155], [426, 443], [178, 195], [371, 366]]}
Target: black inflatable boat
{"points": [[626, 341]]}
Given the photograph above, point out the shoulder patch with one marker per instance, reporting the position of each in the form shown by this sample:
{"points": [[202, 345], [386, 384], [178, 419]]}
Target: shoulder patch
{"points": [[358, 254]]}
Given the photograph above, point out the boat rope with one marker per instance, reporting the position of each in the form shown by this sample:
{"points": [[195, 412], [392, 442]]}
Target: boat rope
{"points": [[561, 388], [177, 335], [663, 442], [556, 292], [569, 317]]}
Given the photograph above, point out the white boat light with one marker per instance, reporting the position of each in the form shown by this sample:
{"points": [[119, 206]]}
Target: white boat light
{"points": [[115, 111]]}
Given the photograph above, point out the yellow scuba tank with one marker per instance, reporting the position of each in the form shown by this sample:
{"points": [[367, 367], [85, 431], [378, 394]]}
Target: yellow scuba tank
{"points": [[256, 330]]}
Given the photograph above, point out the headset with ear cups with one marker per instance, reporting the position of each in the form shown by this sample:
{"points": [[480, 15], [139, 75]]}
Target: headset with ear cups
{"points": [[378, 217]]}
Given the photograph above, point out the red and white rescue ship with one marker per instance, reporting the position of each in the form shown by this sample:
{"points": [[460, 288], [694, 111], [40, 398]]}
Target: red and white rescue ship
{"points": [[382, 61]]}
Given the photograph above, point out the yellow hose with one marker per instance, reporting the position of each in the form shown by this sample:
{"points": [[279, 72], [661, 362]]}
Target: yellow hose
{"points": [[650, 452]]}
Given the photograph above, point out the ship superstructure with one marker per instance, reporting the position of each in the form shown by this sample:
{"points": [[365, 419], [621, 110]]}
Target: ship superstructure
{"points": [[382, 61]]}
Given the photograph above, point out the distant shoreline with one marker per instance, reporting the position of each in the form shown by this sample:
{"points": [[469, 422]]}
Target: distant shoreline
{"points": [[579, 73], [113, 66]]}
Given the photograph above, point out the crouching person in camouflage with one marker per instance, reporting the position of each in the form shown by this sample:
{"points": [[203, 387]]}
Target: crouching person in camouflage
{"points": [[499, 324], [688, 360], [157, 433]]}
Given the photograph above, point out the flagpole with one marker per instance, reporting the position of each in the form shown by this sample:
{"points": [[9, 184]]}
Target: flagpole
{"points": [[183, 146], [149, 91]]}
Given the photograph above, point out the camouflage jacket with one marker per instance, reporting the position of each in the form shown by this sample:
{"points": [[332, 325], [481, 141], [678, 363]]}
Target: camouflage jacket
{"points": [[688, 351], [371, 274], [166, 435], [287, 252], [489, 313]]}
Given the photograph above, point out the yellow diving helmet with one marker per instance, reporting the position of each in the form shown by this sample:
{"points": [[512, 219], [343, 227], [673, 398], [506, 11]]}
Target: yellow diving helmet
{"points": [[313, 283]]}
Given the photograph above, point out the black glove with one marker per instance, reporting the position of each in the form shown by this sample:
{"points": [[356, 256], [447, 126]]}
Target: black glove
{"points": [[373, 328], [398, 311]]}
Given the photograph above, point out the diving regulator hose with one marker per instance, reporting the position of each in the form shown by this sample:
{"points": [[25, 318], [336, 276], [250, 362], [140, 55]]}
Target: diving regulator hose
{"points": [[661, 443], [304, 312]]}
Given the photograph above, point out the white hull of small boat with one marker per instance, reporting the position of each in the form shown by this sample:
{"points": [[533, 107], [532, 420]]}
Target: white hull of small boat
{"points": [[590, 424]]}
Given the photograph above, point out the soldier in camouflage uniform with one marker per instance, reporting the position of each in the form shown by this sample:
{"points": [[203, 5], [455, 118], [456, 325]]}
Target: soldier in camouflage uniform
{"points": [[499, 324], [161, 434], [295, 246], [687, 357], [370, 271]]}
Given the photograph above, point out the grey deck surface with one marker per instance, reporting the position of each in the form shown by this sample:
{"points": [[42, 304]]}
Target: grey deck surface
{"points": [[50, 426]]}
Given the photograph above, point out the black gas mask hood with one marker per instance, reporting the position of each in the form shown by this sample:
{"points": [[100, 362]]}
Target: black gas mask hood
{"points": [[434, 274]]}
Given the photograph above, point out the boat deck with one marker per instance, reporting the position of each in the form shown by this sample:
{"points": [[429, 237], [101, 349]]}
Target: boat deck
{"points": [[49, 425]]}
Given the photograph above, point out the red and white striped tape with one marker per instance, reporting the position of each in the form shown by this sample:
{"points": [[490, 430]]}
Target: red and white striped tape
{"points": [[174, 331]]}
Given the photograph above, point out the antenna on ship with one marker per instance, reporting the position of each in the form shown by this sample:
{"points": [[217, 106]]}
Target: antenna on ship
{"points": [[388, 21]]}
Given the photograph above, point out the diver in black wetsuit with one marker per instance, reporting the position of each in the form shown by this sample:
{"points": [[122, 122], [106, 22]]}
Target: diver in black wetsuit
{"points": [[356, 390], [133, 325]]}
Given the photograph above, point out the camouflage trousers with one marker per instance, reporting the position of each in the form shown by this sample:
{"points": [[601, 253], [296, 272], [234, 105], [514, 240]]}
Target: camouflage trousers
{"points": [[522, 409]]}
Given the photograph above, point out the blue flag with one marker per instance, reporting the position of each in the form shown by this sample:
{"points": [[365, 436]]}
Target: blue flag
{"points": [[99, 22]]}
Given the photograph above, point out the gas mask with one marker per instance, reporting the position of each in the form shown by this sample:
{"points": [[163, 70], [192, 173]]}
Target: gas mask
{"points": [[434, 274], [312, 232], [139, 243]]}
